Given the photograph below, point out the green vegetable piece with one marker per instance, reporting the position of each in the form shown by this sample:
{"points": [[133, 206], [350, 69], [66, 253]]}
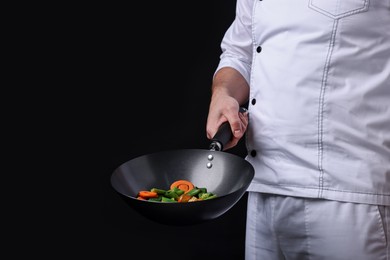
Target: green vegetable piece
{"points": [[178, 191], [155, 199], [193, 192], [203, 190], [205, 195], [158, 191], [210, 197], [171, 194], [165, 199]]}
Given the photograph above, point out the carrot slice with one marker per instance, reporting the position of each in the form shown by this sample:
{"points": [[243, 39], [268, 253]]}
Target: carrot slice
{"points": [[183, 185], [147, 194], [184, 198]]}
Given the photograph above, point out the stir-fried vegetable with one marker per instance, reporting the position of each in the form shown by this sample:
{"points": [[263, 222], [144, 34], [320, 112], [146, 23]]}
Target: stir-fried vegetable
{"points": [[180, 191], [183, 185]]}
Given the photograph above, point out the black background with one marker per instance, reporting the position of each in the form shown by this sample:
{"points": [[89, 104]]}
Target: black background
{"points": [[96, 84], [145, 77]]}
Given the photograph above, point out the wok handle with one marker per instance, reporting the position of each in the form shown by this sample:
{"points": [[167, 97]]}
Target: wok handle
{"points": [[223, 135]]}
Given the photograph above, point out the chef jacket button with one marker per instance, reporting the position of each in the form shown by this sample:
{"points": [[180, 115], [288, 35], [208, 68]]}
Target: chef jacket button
{"points": [[253, 101], [258, 49], [253, 153]]}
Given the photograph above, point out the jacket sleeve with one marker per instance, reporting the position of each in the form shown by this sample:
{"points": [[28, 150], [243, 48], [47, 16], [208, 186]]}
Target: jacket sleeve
{"points": [[236, 44]]}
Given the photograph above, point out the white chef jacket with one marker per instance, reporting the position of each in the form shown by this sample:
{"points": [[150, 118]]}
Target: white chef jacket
{"points": [[319, 105]]}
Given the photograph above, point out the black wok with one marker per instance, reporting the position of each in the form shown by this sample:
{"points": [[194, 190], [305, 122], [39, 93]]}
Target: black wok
{"points": [[224, 174]]}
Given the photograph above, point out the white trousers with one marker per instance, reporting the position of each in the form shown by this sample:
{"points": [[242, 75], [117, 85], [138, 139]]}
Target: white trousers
{"points": [[282, 227]]}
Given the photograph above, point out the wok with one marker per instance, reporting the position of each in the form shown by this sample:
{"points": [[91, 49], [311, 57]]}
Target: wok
{"points": [[224, 174]]}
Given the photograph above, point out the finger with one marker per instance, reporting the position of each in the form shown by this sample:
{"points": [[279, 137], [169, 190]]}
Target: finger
{"points": [[244, 119], [236, 127]]}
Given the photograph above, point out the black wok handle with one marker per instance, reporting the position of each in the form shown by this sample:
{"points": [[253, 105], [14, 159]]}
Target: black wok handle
{"points": [[223, 135]]}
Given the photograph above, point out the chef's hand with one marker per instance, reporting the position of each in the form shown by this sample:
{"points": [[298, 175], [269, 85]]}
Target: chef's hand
{"points": [[226, 108]]}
